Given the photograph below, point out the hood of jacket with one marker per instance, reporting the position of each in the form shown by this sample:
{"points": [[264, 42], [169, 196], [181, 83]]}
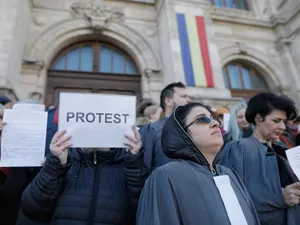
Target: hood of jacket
{"points": [[178, 144]]}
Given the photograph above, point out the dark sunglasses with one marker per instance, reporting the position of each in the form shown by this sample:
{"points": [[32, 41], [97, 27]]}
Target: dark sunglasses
{"points": [[203, 120]]}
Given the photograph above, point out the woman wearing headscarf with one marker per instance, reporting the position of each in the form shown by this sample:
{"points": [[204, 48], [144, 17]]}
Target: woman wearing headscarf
{"points": [[238, 125], [194, 188], [261, 164]]}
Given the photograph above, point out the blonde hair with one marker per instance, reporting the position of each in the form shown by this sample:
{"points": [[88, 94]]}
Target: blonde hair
{"points": [[140, 121], [150, 110]]}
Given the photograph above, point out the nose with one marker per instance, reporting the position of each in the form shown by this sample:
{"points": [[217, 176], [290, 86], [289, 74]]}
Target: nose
{"points": [[214, 123], [282, 125], [188, 100]]}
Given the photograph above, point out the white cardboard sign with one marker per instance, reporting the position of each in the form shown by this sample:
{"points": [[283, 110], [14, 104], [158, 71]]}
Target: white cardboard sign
{"points": [[293, 156], [97, 120], [226, 118], [23, 138]]}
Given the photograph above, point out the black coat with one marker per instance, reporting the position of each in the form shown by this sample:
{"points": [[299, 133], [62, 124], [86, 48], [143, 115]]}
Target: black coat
{"points": [[92, 188], [11, 189]]}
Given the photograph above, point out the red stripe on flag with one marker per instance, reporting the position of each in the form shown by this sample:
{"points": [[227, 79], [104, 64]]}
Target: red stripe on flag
{"points": [[204, 51]]}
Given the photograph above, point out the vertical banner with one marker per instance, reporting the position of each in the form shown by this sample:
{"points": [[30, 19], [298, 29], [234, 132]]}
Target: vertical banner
{"points": [[194, 51]]}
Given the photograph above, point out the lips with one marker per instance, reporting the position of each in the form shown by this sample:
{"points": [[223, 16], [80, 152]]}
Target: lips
{"points": [[216, 132]]}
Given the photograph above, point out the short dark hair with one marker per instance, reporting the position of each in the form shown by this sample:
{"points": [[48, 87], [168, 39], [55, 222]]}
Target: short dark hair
{"points": [[168, 92], [183, 111], [264, 103]]}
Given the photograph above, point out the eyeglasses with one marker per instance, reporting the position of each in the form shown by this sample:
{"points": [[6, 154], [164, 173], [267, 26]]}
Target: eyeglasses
{"points": [[203, 120]]}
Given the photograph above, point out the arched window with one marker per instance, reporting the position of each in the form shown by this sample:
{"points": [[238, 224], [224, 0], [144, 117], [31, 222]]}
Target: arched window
{"points": [[234, 4], [243, 80], [92, 67], [94, 57]]}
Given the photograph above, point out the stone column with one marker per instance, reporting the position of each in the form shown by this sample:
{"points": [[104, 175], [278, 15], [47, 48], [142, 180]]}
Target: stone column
{"points": [[14, 18], [153, 84], [165, 41]]}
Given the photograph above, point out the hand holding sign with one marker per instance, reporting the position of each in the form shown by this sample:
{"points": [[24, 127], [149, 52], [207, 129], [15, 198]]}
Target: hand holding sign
{"points": [[134, 144], [59, 146]]}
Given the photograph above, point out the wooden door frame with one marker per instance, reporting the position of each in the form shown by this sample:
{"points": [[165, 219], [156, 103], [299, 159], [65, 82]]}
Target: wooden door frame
{"points": [[91, 80]]}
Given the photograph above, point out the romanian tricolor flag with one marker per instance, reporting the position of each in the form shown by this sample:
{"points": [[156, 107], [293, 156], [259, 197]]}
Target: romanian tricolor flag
{"points": [[194, 51]]}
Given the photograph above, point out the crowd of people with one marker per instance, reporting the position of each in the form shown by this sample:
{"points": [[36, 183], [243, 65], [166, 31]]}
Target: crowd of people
{"points": [[181, 167]]}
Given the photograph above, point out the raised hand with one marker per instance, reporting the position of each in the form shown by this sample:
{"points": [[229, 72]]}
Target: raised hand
{"points": [[59, 146], [134, 144]]}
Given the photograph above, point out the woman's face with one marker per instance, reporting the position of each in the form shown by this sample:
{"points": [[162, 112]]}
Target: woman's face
{"points": [[205, 135], [273, 125], [241, 119]]}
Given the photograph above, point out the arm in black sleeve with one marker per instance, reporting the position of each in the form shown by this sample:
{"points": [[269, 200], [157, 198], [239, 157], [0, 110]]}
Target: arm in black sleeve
{"points": [[39, 198], [136, 174]]}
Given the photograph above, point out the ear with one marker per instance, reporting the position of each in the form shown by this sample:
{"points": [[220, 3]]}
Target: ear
{"points": [[169, 102], [258, 119]]}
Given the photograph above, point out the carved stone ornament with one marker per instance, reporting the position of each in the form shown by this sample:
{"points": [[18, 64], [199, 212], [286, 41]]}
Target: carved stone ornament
{"points": [[99, 16], [242, 47], [153, 75]]}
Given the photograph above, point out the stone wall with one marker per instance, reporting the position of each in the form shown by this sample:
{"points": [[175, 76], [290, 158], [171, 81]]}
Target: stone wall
{"points": [[14, 21], [267, 36]]}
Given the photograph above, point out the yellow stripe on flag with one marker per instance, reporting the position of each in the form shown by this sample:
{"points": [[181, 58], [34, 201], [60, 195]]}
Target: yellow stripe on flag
{"points": [[195, 50]]}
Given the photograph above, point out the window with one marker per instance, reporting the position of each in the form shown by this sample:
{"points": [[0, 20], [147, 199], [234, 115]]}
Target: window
{"points": [[243, 80], [94, 57], [234, 4]]}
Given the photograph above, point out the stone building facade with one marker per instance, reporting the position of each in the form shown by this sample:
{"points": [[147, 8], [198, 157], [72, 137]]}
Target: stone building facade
{"points": [[253, 45]]}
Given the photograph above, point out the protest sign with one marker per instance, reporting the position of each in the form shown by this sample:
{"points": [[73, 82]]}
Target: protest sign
{"points": [[29, 107], [226, 118], [97, 120], [293, 156], [23, 138]]}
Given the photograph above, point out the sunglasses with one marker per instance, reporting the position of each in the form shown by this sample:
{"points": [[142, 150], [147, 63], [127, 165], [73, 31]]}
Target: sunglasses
{"points": [[202, 120]]}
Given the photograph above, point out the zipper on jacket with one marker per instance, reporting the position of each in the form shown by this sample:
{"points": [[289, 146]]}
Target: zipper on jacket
{"points": [[95, 191], [212, 169], [95, 158]]}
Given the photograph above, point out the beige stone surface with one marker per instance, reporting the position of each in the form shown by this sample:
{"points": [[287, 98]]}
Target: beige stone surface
{"points": [[267, 36]]}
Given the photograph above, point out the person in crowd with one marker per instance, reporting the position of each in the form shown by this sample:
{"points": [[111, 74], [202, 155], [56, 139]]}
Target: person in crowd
{"points": [[87, 186], [219, 114], [288, 137], [260, 163], [153, 113], [13, 181], [142, 105], [6, 102], [238, 125], [184, 190], [141, 120], [2, 108], [173, 95], [12, 96]]}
